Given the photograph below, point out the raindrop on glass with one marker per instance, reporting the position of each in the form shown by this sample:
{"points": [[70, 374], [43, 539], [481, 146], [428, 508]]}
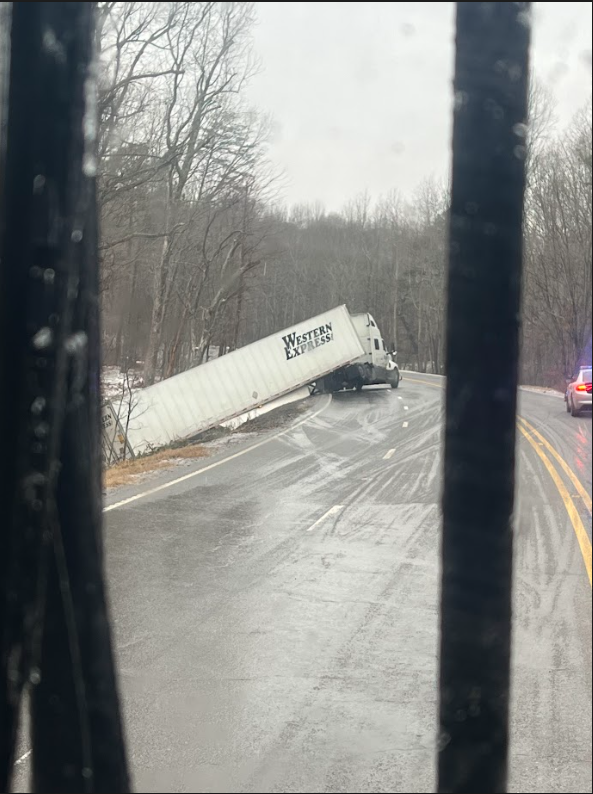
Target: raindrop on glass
{"points": [[53, 46], [521, 130], [38, 184], [41, 430], [89, 164], [444, 740], [524, 18], [43, 338], [76, 343], [461, 99], [38, 406]]}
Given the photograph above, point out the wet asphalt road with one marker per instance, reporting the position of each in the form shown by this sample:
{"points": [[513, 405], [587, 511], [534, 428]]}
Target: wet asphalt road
{"points": [[276, 616]]}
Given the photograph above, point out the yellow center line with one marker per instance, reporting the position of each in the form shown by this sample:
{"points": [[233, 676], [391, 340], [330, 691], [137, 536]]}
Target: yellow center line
{"points": [[575, 519], [573, 513], [566, 468]]}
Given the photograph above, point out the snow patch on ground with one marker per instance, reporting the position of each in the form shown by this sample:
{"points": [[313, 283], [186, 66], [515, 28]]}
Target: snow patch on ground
{"points": [[227, 441], [117, 385], [294, 396], [543, 390]]}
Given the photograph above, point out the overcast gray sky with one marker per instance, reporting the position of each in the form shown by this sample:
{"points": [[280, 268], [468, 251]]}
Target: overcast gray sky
{"points": [[360, 93]]}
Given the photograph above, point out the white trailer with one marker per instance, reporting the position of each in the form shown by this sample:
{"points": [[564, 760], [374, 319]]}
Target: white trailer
{"points": [[203, 397]]}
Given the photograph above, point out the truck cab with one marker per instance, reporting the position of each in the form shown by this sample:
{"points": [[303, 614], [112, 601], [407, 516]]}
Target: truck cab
{"points": [[376, 354], [376, 366]]}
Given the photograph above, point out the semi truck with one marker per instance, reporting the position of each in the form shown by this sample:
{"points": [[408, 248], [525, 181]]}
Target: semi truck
{"points": [[329, 352], [375, 366], [205, 396]]}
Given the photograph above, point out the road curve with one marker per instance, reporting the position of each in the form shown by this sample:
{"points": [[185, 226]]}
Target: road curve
{"points": [[276, 616]]}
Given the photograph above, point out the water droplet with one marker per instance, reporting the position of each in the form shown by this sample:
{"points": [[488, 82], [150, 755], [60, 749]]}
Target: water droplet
{"points": [[461, 99], [524, 18], [37, 448], [38, 406], [89, 164], [460, 715], [37, 505], [43, 338], [35, 272], [87, 772], [76, 236], [91, 104], [38, 184], [521, 130], [515, 73], [490, 229], [53, 46], [41, 430], [49, 275], [408, 29], [443, 741], [34, 676], [76, 343], [520, 152], [471, 208]]}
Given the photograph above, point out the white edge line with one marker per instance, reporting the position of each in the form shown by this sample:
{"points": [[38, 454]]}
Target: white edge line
{"points": [[389, 454], [176, 481], [331, 512], [23, 758]]}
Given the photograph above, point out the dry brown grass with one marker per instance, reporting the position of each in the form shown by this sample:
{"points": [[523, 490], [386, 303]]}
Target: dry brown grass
{"points": [[129, 471]]}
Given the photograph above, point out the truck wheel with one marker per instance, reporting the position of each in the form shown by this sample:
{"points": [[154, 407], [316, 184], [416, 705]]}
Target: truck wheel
{"points": [[359, 385], [395, 382]]}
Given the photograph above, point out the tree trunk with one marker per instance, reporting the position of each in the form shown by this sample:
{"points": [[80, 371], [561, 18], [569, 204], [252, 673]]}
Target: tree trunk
{"points": [[158, 305]]}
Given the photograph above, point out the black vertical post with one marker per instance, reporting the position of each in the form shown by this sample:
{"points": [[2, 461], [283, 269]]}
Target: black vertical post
{"points": [[485, 264], [55, 629]]}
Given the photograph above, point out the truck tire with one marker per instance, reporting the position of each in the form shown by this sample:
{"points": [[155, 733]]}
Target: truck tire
{"points": [[395, 381]]}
